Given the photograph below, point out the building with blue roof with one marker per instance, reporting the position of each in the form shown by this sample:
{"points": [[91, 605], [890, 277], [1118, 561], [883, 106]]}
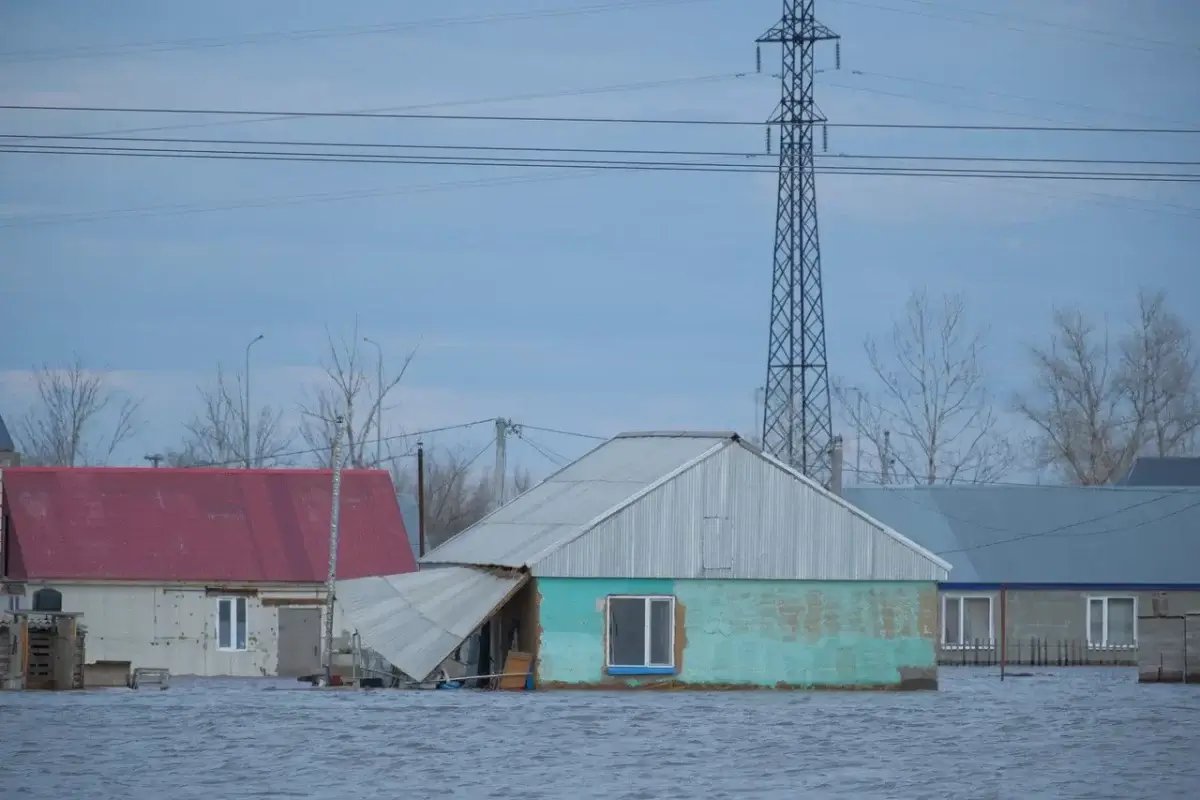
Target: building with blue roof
{"points": [[1050, 574]]}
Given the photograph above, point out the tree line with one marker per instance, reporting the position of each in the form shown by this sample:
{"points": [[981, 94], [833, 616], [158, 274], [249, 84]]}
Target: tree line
{"points": [[1099, 396], [79, 419]]}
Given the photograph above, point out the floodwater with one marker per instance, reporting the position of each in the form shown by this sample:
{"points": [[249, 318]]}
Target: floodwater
{"points": [[1064, 734]]}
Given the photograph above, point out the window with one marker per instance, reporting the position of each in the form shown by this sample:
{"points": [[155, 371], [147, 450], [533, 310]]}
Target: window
{"points": [[1112, 622], [231, 623], [967, 621], [641, 635]]}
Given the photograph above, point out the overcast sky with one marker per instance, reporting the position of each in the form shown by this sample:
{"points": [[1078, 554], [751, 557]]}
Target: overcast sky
{"points": [[581, 301]]}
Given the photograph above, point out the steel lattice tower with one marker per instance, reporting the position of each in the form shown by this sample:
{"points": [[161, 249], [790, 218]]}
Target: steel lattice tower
{"points": [[797, 418]]}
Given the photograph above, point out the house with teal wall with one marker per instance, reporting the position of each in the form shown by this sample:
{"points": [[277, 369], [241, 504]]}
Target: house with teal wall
{"points": [[668, 560]]}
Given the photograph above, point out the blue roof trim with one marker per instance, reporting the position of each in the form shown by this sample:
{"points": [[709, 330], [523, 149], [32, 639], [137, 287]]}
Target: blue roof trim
{"points": [[1106, 587]]}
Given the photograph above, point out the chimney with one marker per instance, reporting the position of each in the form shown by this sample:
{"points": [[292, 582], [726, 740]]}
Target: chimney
{"points": [[835, 464]]}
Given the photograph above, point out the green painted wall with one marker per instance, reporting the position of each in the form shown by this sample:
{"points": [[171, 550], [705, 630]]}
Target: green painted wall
{"points": [[754, 633]]}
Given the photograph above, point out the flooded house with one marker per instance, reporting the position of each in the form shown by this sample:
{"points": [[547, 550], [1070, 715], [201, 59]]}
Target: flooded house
{"points": [[667, 560], [1057, 575], [200, 572]]}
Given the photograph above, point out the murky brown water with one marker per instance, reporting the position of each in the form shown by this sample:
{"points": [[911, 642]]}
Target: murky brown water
{"points": [[1067, 735]]}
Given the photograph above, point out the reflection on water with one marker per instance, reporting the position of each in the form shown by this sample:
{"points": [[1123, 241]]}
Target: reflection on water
{"points": [[1060, 734]]}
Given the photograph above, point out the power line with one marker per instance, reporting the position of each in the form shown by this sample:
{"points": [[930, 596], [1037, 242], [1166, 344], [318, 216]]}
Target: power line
{"points": [[592, 120], [312, 450], [576, 92], [589, 164], [209, 42], [588, 150], [561, 432]]}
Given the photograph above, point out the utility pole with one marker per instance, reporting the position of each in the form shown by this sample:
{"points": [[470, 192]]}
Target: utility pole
{"points": [[420, 498], [886, 462], [378, 402], [246, 414], [501, 467], [154, 458], [797, 411], [334, 514]]}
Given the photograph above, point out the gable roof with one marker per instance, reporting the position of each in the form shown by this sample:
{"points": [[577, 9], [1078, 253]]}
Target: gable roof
{"points": [[1048, 534], [600, 485], [1163, 471], [199, 525], [6, 442]]}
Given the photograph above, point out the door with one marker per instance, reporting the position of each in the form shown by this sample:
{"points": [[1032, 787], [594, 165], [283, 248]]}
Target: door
{"points": [[299, 641]]}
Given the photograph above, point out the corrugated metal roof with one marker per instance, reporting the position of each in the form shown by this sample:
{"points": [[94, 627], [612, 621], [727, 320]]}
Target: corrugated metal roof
{"points": [[738, 514], [1048, 534], [1160, 471], [416, 620], [612, 485], [199, 525], [563, 505]]}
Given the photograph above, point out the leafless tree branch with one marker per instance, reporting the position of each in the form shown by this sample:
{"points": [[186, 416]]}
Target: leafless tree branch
{"points": [[932, 399], [216, 434], [74, 406], [350, 392]]}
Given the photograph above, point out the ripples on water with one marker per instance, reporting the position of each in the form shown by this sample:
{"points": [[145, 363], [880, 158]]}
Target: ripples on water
{"points": [[1061, 734]]}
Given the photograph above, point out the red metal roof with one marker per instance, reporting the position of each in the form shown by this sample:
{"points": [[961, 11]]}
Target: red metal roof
{"points": [[199, 525]]}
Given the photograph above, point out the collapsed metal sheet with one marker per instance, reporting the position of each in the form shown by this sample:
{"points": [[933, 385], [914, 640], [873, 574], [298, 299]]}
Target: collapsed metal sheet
{"points": [[415, 620]]}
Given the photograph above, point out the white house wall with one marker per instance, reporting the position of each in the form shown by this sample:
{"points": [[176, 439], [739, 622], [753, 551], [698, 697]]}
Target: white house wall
{"points": [[737, 515], [174, 627]]}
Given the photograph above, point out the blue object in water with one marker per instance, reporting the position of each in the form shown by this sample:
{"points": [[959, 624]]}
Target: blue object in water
{"points": [[450, 685], [529, 682]]}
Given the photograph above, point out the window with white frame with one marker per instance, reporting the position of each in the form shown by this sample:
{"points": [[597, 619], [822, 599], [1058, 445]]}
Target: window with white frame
{"points": [[641, 635], [967, 621], [1112, 622], [231, 623]]}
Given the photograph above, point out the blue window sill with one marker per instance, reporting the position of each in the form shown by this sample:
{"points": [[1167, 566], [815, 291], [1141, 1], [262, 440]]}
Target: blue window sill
{"points": [[641, 670]]}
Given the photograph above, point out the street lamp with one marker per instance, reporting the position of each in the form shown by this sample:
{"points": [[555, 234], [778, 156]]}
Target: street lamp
{"points": [[378, 402], [246, 413]]}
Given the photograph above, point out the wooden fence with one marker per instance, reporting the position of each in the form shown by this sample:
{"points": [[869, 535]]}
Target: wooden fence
{"points": [[1039, 653]]}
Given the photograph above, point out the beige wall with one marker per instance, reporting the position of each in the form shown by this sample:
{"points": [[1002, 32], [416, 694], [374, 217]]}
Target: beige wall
{"points": [[174, 626]]}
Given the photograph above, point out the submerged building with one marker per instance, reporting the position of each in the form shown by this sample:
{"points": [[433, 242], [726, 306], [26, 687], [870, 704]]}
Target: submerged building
{"points": [[668, 560]]}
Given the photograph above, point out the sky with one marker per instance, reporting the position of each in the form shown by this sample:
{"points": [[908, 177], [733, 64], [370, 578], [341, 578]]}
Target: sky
{"points": [[590, 302]]}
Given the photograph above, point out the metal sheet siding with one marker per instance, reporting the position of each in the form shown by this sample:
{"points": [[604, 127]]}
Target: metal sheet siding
{"points": [[781, 529], [559, 507], [415, 620]]}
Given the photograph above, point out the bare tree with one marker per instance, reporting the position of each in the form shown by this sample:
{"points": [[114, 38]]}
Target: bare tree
{"points": [[931, 420], [216, 434], [349, 391], [457, 495], [1159, 366], [78, 419], [1095, 406]]}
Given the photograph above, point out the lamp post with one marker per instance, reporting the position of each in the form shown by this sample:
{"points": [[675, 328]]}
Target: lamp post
{"points": [[378, 401], [246, 411]]}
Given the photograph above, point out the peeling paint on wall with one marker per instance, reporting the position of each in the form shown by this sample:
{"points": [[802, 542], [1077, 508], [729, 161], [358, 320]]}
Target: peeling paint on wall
{"points": [[751, 634]]}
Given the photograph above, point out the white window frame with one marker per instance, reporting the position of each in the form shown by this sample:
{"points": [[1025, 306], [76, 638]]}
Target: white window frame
{"points": [[646, 668], [1103, 644], [233, 600], [961, 599]]}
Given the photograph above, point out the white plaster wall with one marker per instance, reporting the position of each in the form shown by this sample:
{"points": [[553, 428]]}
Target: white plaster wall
{"points": [[174, 627]]}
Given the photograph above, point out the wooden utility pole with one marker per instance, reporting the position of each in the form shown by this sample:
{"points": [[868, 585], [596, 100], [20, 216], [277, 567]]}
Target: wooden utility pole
{"points": [[335, 507]]}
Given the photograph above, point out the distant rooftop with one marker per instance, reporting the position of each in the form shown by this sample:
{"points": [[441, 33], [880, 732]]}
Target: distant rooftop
{"points": [[1160, 471], [6, 442]]}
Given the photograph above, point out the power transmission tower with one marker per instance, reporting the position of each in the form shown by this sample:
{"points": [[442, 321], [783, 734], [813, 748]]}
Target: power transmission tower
{"points": [[797, 418]]}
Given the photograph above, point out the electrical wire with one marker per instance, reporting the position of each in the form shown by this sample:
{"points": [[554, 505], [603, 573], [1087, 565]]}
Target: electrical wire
{"points": [[589, 164], [209, 42], [312, 450], [544, 452], [590, 150], [561, 432], [593, 120]]}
